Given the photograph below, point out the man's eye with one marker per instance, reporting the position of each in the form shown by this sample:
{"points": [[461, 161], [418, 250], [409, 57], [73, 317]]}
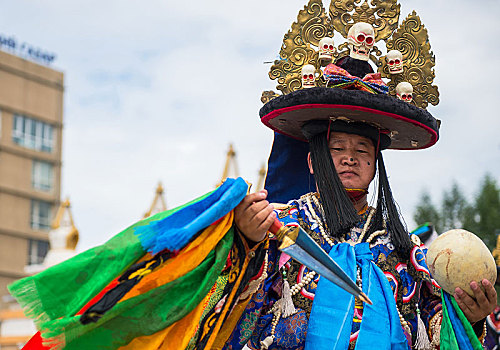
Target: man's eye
{"points": [[362, 151], [336, 149]]}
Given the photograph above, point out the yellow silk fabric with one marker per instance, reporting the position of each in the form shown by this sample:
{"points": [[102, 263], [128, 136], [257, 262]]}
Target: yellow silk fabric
{"points": [[187, 259], [229, 325], [175, 337], [178, 335]]}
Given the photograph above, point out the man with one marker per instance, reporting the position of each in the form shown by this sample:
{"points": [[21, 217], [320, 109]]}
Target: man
{"points": [[188, 279], [347, 115], [354, 159]]}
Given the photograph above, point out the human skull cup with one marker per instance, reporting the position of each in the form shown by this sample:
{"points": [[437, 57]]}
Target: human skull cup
{"points": [[404, 91], [326, 48], [361, 38], [395, 61], [308, 76]]}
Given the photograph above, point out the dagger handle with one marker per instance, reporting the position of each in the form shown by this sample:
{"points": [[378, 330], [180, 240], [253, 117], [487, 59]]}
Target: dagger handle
{"points": [[281, 232], [275, 227]]}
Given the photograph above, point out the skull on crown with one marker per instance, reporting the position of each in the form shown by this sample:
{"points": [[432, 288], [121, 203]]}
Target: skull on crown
{"points": [[360, 39], [326, 48], [395, 61], [308, 76], [404, 91]]}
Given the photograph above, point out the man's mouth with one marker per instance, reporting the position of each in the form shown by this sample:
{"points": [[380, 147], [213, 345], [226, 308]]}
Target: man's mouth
{"points": [[348, 173]]}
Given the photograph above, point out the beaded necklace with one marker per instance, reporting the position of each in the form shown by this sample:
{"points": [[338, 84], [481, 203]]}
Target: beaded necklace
{"points": [[278, 309], [318, 205], [322, 230]]}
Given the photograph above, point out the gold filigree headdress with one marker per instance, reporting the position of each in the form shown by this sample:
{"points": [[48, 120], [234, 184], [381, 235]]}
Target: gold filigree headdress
{"points": [[301, 46]]}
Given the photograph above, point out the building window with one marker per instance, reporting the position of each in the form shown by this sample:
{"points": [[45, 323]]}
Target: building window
{"points": [[42, 175], [40, 215], [34, 134], [37, 250]]}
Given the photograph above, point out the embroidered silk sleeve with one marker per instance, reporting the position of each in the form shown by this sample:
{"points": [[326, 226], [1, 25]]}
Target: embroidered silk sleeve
{"points": [[430, 295], [430, 310], [243, 265]]}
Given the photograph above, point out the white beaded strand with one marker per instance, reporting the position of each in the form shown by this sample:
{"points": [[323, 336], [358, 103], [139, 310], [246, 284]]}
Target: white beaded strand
{"points": [[308, 197], [317, 218], [305, 281], [322, 229]]}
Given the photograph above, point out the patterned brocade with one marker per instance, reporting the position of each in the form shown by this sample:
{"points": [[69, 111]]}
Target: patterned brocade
{"points": [[410, 281], [242, 265]]}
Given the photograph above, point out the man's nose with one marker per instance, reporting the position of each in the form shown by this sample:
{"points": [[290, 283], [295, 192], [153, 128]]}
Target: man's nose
{"points": [[349, 159]]}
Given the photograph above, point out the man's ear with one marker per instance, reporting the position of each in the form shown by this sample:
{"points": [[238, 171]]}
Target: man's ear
{"points": [[309, 163]]}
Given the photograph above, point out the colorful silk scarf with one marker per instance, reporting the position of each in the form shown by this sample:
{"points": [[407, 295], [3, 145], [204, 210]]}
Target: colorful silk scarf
{"points": [[456, 331], [333, 308], [55, 297], [339, 78]]}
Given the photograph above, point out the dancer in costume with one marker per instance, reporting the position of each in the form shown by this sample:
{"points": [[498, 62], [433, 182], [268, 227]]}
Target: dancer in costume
{"points": [[348, 118], [191, 278]]}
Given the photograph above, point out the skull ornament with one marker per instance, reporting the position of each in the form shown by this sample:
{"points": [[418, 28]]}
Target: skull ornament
{"points": [[404, 91], [360, 39], [395, 61], [308, 76], [326, 47]]}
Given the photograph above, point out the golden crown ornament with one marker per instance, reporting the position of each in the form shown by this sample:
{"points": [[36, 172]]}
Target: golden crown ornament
{"points": [[407, 68]]}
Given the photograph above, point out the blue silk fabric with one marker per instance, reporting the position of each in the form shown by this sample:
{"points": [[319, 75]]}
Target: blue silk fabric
{"points": [[458, 327], [331, 316], [176, 230]]}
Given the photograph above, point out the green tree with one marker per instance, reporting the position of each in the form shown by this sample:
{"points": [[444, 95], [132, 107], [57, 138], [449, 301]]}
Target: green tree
{"points": [[427, 212], [455, 210], [482, 216], [485, 219]]}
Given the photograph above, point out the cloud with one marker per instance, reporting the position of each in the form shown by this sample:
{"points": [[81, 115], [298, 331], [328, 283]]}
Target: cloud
{"points": [[157, 90]]}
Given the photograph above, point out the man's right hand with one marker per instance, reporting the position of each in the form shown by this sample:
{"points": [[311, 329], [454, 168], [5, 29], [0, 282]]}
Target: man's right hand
{"points": [[254, 216]]}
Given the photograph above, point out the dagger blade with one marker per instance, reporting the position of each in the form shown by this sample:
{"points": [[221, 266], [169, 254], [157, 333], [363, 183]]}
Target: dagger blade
{"points": [[299, 245]]}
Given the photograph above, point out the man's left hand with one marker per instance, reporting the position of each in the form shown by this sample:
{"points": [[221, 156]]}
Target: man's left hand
{"points": [[483, 303]]}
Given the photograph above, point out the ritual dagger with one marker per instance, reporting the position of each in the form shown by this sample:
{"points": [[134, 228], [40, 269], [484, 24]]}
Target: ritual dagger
{"points": [[300, 246]]}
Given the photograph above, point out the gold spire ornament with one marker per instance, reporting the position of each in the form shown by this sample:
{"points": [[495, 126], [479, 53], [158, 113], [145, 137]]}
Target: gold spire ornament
{"points": [[63, 221], [158, 205], [230, 166], [262, 178], [301, 46]]}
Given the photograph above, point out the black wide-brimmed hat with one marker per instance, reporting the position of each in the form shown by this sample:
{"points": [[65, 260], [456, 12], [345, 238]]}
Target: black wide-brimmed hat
{"points": [[337, 81], [408, 126]]}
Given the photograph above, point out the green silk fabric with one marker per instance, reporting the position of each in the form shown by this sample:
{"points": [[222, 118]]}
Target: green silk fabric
{"points": [[52, 297], [448, 338], [146, 313]]}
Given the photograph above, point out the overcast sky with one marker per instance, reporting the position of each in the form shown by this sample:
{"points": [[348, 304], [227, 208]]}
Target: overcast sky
{"points": [[156, 91]]}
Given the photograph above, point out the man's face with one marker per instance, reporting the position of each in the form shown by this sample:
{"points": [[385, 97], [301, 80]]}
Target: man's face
{"points": [[354, 159]]}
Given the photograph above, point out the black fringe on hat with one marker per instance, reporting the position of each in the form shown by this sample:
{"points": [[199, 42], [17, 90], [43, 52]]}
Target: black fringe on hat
{"points": [[388, 212], [340, 214]]}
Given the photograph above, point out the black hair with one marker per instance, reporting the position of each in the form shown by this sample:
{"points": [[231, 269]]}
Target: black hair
{"points": [[340, 214], [387, 215]]}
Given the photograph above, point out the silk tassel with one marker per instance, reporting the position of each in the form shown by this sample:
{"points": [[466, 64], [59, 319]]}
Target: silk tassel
{"points": [[286, 306], [266, 343], [422, 342]]}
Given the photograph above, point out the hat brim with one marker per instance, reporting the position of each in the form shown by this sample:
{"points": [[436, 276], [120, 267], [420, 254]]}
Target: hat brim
{"points": [[408, 126]]}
